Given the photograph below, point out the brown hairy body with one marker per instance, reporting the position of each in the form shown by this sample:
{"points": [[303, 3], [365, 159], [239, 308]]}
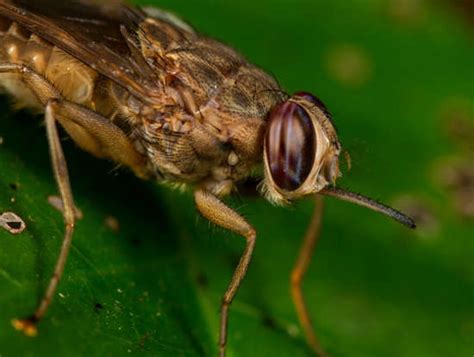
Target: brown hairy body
{"points": [[141, 88], [206, 125]]}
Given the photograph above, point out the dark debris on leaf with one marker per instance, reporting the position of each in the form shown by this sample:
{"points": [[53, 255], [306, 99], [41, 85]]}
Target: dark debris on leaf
{"points": [[269, 322], [98, 307], [202, 280]]}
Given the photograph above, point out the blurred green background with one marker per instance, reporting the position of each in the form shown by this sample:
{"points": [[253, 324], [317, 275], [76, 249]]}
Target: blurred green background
{"points": [[398, 76]]}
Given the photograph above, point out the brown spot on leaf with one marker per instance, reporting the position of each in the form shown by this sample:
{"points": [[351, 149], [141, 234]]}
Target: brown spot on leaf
{"points": [[112, 223], [456, 175], [142, 342], [349, 64], [457, 117], [407, 12]]}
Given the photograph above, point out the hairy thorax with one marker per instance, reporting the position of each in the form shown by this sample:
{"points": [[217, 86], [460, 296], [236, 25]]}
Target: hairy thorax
{"points": [[213, 130]]}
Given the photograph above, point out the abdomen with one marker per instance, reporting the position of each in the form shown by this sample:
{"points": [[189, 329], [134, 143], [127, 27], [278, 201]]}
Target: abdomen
{"points": [[76, 81]]}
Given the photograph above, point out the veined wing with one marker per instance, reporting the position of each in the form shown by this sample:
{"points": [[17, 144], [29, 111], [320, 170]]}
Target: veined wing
{"points": [[102, 34]]}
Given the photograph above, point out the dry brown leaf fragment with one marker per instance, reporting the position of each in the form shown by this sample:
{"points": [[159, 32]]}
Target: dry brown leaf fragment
{"points": [[12, 223]]}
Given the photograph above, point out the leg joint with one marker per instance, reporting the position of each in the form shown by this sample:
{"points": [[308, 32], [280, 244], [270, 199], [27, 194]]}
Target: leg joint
{"points": [[14, 68], [53, 102], [250, 235]]}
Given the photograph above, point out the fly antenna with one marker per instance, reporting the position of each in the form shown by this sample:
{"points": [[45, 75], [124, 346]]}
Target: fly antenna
{"points": [[363, 201]]}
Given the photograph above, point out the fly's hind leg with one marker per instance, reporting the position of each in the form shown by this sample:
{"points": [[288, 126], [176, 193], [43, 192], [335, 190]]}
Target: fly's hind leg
{"points": [[299, 270], [28, 326]]}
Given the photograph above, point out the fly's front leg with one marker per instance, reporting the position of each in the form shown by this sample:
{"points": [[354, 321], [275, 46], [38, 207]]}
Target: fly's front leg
{"points": [[28, 326], [299, 270], [220, 214]]}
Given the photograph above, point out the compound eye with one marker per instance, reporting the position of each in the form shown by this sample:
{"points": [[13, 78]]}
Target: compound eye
{"points": [[290, 146]]}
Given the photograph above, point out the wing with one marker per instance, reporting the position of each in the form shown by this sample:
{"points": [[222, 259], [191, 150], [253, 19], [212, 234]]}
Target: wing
{"points": [[102, 34]]}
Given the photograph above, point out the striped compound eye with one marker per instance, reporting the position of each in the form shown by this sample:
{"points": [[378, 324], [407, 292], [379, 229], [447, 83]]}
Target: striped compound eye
{"points": [[290, 146]]}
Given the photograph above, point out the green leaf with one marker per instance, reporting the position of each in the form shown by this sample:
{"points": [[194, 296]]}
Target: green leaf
{"points": [[374, 288]]}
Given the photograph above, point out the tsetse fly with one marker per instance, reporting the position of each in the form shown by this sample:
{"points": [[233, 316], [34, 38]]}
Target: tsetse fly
{"points": [[140, 87]]}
